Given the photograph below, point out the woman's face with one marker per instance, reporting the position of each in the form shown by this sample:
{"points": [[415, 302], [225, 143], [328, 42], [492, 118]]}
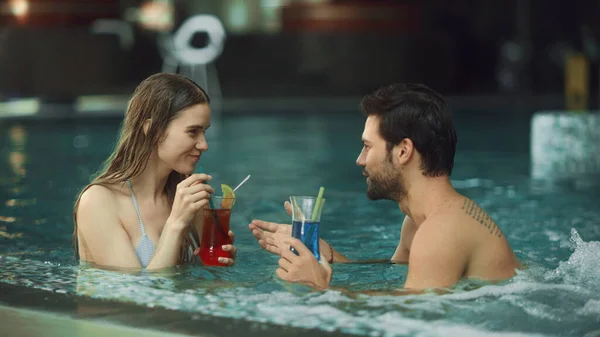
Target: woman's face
{"points": [[184, 140]]}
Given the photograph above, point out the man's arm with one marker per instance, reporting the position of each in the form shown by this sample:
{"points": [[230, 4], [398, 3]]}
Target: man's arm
{"points": [[407, 233], [437, 261], [400, 256], [424, 275], [325, 249], [271, 235], [391, 292], [305, 269], [438, 257], [263, 230]]}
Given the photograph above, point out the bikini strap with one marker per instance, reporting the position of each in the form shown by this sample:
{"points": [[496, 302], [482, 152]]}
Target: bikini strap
{"points": [[137, 208]]}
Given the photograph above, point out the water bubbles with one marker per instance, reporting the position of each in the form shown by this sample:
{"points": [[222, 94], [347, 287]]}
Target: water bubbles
{"points": [[81, 141], [592, 308], [575, 238], [582, 267], [592, 334]]}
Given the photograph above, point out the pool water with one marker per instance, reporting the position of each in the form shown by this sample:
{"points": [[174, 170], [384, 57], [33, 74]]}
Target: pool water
{"points": [[554, 229]]}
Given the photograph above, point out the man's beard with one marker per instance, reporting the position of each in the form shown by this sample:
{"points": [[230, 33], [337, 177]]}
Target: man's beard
{"points": [[386, 184]]}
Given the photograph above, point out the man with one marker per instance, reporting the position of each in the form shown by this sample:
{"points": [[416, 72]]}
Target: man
{"points": [[407, 156]]}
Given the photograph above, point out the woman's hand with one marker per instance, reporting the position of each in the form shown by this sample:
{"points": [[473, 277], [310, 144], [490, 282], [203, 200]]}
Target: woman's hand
{"points": [[226, 248], [192, 195], [232, 251]]}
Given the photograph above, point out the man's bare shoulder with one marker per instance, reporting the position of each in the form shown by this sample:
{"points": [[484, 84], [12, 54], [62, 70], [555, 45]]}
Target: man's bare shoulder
{"points": [[468, 231], [472, 211], [462, 216]]}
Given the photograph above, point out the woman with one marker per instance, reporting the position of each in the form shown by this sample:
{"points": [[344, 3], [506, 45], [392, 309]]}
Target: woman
{"points": [[144, 210]]}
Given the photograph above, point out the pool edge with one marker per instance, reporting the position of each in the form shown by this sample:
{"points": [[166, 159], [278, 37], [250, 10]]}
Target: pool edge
{"points": [[36, 323], [128, 315]]}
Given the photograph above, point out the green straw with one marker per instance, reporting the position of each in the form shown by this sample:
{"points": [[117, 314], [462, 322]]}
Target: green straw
{"points": [[295, 203], [316, 211], [318, 204]]}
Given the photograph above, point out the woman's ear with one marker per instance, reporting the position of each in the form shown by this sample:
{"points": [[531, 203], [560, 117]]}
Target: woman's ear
{"points": [[147, 124]]}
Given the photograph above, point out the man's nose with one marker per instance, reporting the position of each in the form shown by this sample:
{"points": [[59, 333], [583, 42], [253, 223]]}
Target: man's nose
{"points": [[360, 160]]}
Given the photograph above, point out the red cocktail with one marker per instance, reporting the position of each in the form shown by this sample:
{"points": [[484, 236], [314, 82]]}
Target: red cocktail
{"points": [[215, 231]]}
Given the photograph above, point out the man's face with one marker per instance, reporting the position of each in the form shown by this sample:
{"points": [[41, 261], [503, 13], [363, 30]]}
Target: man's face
{"points": [[384, 179]]}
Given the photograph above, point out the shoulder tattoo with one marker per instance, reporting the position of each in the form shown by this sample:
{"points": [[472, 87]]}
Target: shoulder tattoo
{"points": [[474, 211]]}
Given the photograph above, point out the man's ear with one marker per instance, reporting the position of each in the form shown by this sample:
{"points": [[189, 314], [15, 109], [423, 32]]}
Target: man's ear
{"points": [[404, 151], [147, 124]]}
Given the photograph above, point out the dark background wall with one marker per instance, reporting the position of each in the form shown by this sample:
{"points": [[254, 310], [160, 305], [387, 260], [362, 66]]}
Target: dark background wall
{"points": [[334, 48]]}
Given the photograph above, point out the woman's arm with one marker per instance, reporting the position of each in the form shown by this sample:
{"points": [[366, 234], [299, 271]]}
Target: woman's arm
{"points": [[107, 241], [99, 226]]}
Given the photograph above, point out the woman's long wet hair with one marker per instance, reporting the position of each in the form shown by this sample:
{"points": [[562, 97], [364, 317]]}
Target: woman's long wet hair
{"points": [[160, 97]]}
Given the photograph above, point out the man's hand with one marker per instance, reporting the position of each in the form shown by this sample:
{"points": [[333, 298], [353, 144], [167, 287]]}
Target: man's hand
{"points": [[304, 267], [263, 230], [270, 235]]}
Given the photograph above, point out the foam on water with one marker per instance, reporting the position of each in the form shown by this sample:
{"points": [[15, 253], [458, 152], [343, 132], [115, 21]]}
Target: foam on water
{"points": [[537, 301], [582, 267]]}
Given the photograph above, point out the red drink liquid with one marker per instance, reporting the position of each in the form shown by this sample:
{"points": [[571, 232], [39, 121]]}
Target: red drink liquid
{"points": [[213, 238]]}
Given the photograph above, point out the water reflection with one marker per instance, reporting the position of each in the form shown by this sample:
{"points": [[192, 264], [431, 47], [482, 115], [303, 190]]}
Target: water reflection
{"points": [[17, 162], [537, 301], [17, 157], [177, 288], [556, 295]]}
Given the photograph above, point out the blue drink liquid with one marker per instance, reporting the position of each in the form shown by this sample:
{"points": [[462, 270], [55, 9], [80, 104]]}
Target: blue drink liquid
{"points": [[308, 233]]}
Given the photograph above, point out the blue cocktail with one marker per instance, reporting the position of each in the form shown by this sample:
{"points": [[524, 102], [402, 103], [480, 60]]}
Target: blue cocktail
{"points": [[306, 219], [308, 233]]}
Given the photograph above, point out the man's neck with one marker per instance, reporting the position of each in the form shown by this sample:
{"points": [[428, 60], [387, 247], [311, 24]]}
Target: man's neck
{"points": [[425, 195]]}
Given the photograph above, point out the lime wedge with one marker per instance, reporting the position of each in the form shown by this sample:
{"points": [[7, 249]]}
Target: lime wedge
{"points": [[227, 193]]}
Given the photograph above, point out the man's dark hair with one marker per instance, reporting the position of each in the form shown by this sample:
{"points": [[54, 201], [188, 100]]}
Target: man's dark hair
{"points": [[419, 113]]}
